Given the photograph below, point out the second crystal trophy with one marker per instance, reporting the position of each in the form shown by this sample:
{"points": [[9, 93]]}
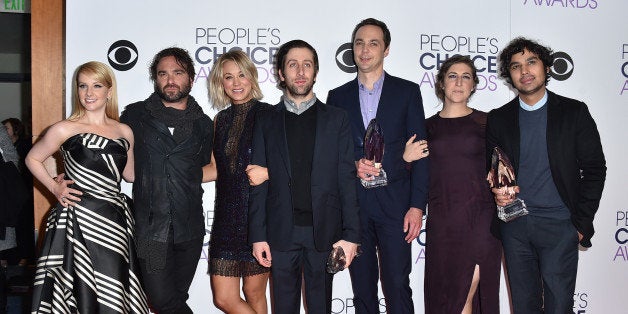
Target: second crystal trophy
{"points": [[502, 175], [374, 151]]}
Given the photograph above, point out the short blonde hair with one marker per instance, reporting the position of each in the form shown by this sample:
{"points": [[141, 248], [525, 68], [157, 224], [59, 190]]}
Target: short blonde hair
{"points": [[217, 95], [103, 74]]}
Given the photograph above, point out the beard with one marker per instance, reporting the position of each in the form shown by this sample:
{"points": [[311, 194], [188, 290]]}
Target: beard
{"points": [[299, 91], [184, 91]]}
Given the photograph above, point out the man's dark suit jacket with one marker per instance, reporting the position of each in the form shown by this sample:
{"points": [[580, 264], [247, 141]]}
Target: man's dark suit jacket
{"points": [[574, 149], [334, 203], [400, 115]]}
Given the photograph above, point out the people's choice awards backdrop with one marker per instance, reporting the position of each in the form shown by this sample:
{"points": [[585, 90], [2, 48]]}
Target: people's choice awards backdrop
{"points": [[591, 64]]}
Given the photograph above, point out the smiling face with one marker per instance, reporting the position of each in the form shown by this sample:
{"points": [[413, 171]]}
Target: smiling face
{"points": [[369, 49], [93, 94], [458, 84], [173, 84], [235, 84], [528, 75], [299, 74]]}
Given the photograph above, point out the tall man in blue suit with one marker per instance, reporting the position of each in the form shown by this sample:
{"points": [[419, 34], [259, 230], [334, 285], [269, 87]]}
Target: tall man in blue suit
{"points": [[308, 205], [555, 149], [390, 216]]}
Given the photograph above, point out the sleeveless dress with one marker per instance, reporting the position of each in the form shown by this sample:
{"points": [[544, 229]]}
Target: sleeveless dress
{"points": [[88, 263], [229, 251], [460, 212]]}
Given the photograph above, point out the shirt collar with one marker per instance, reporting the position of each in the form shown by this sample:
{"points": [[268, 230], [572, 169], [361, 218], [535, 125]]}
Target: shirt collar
{"points": [[291, 106], [376, 86], [536, 106]]}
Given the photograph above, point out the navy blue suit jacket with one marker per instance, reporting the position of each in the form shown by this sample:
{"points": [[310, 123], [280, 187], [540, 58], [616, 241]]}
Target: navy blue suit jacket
{"points": [[334, 203], [574, 149], [400, 115]]}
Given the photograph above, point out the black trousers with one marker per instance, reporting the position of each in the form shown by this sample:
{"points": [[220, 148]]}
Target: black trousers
{"points": [[541, 262], [3, 290], [167, 289], [301, 260]]}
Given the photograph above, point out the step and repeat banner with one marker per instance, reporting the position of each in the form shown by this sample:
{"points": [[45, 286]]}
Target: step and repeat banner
{"points": [[591, 64]]}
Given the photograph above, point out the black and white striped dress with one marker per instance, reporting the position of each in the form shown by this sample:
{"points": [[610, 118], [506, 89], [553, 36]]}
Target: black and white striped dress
{"points": [[88, 263]]}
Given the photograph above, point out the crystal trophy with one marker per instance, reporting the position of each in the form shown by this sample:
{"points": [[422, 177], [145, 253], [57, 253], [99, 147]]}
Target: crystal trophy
{"points": [[501, 175], [374, 151]]}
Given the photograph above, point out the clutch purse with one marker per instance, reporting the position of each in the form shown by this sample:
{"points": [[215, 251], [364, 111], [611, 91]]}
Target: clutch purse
{"points": [[337, 260]]}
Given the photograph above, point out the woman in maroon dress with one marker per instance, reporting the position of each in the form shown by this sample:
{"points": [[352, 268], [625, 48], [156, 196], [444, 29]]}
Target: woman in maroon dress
{"points": [[462, 257]]}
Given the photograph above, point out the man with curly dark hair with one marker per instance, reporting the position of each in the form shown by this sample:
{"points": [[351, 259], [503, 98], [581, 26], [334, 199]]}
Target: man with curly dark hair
{"points": [[555, 149]]}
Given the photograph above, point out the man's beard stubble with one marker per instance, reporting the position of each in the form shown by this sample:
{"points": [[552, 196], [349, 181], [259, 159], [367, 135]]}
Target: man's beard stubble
{"points": [[183, 92]]}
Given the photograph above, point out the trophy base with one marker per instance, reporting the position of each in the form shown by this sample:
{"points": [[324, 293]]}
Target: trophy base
{"points": [[376, 181], [512, 211]]}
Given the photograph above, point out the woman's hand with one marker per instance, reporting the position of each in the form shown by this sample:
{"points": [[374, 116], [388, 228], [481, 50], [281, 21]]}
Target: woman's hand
{"points": [[63, 193], [415, 150], [257, 174]]}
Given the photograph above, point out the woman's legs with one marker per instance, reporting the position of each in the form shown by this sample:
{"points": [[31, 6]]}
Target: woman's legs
{"points": [[255, 292], [226, 291], [468, 306]]}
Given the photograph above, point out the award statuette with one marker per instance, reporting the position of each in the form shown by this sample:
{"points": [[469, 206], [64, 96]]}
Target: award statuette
{"points": [[502, 174], [374, 151]]}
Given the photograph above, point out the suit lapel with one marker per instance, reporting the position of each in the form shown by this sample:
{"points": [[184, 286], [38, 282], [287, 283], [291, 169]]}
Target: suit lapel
{"points": [[322, 119], [513, 137], [280, 127], [553, 124], [353, 110], [386, 94]]}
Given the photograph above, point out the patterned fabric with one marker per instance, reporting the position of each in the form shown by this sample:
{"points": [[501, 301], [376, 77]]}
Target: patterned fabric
{"points": [[88, 260], [6, 147], [230, 254]]}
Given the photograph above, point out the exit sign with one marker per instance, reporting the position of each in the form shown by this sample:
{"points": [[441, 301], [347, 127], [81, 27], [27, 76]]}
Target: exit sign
{"points": [[15, 6]]}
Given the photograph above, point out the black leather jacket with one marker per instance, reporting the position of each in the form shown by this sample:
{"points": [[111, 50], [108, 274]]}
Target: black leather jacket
{"points": [[167, 188]]}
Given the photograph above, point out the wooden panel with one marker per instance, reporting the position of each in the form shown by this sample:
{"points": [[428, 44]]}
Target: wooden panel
{"points": [[48, 82]]}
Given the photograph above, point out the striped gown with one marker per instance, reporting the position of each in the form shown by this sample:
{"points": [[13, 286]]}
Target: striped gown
{"points": [[88, 263]]}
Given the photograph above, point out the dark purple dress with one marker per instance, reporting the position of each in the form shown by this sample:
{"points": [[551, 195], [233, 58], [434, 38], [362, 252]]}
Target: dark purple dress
{"points": [[460, 211], [229, 252]]}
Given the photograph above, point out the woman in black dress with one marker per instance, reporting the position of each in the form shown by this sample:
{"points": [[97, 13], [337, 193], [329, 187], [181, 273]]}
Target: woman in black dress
{"points": [[234, 89], [462, 258]]}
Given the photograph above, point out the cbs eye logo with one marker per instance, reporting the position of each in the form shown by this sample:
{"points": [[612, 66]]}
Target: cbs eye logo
{"points": [[122, 55], [562, 68], [344, 58]]}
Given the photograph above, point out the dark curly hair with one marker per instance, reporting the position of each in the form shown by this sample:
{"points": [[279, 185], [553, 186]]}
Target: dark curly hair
{"points": [[444, 68], [181, 55], [374, 22], [517, 45], [280, 58]]}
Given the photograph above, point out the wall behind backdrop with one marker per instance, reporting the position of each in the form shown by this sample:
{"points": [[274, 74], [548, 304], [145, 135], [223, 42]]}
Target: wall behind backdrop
{"points": [[591, 52]]}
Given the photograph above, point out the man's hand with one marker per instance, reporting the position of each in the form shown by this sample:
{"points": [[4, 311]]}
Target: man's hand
{"points": [[366, 169], [412, 223], [505, 195], [261, 252], [350, 249]]}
